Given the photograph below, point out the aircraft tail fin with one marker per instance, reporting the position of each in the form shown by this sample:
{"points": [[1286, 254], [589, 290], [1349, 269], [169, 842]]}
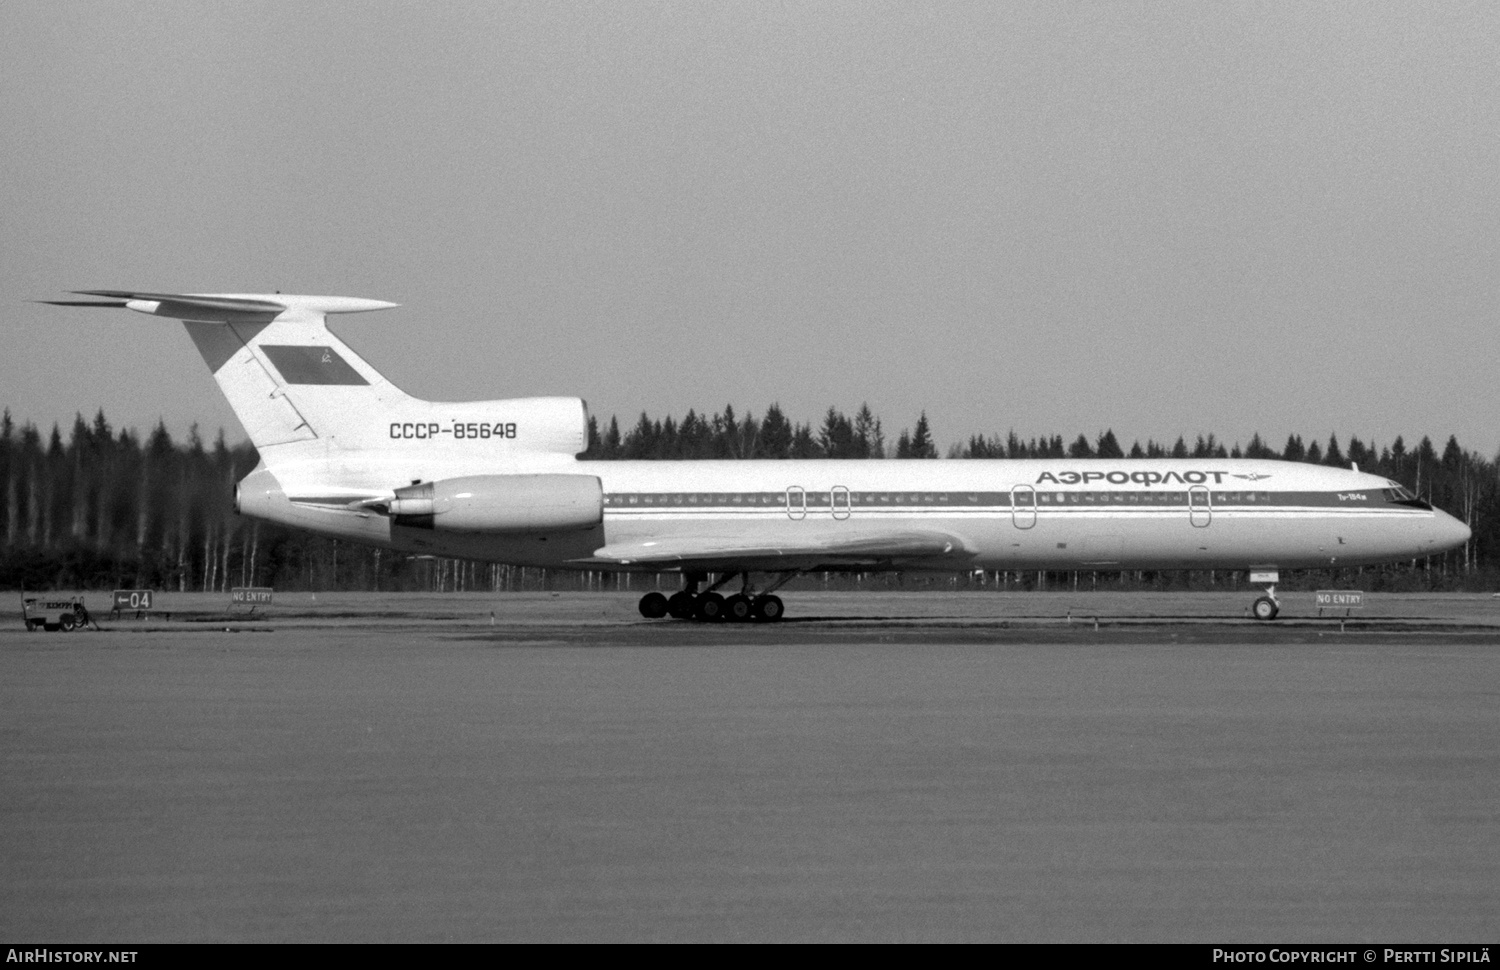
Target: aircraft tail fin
{"points": [[287, 376], [291, 380]]}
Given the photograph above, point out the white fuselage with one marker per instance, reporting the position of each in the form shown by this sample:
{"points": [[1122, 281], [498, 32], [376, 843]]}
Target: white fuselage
{"points": [[346, 453], [1006, 514]]}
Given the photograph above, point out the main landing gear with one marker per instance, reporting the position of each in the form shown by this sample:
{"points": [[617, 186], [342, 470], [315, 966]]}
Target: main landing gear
{"points": [[709, 606]]}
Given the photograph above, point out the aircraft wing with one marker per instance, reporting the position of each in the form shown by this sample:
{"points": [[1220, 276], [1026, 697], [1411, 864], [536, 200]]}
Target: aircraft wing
{"points": [[718, 553]]}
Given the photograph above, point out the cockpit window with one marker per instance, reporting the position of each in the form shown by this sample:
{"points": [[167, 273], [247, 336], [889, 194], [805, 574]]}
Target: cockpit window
{"points": [[1400, 495]]}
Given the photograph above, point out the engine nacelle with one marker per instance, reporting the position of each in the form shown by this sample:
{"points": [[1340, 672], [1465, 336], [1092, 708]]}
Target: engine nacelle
{"points": [[501, 503]]}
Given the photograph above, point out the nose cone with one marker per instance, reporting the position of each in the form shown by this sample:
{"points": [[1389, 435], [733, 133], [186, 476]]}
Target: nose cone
{"points": [[1448, 532]]}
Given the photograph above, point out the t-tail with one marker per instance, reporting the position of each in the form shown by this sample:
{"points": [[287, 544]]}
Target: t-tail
{"points": [[304, 397]]}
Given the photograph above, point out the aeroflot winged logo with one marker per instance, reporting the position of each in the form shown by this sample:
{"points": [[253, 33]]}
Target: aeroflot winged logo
{"points": [[1142, 478]]}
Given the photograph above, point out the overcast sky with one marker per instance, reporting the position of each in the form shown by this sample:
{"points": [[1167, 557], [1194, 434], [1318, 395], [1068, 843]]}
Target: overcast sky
{"points": [[1164, 218]]}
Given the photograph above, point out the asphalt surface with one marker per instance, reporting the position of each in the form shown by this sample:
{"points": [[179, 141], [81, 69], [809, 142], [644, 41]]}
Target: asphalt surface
{"points": [[911, 767]]}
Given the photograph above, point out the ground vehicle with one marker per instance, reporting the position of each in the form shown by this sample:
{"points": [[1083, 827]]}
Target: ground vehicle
{"points": [[63, 613]]}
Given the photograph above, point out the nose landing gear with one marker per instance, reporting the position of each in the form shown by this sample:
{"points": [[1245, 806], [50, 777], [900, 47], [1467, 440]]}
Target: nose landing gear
{"points": [[1265, 608]]}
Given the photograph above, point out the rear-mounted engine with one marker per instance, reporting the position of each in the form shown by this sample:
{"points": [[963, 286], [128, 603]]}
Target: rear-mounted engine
{"points": [[500, 503]]}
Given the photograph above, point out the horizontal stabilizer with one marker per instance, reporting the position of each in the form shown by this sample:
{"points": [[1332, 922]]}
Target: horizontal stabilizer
{"points": [[202, 301], [224, 307]]}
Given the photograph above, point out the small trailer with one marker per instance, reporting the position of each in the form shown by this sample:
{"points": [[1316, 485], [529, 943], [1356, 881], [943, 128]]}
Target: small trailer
{"points": [[65, 613]]}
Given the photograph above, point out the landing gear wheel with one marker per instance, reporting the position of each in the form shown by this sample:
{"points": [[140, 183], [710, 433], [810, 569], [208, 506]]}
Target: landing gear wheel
{"points": [[66, 622], [738, 608], [680, 605], [1265, 608], [769, 608], [653, 606], [710, 608]]}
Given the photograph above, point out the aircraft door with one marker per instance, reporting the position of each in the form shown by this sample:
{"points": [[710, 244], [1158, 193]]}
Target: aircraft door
{"points": [[796, 502], [1200, 509], [841, 505], [1023, 506]]}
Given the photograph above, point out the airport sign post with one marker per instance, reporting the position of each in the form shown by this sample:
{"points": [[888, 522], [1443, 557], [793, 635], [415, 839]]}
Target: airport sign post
{"points": [[137, 601], [251, 596], [1339, 599]]}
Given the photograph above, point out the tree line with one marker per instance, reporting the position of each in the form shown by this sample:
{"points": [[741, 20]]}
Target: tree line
{"points": [[99, 509], [726, 436]]}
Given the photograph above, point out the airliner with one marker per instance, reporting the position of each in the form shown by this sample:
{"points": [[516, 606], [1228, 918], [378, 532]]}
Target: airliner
{"points": [[347, 454]]}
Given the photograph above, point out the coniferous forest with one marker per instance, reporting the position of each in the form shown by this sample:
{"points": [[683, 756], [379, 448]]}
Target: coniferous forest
{"points": [[97, 508]]}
